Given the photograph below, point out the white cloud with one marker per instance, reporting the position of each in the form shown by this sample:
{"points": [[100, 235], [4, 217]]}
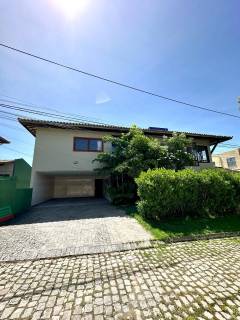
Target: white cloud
{"points": [[102, 97]]}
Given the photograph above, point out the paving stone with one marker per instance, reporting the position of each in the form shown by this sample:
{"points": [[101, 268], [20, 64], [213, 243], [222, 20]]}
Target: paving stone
{"points": [[47, 313], [17, 314], [98, 310], [80, 226], [37, 315], [7, 312], [28, 313], [161, 282], [208, 315]]}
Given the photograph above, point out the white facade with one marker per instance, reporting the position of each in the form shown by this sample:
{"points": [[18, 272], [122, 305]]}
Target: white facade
{"points": [[58, 171]]}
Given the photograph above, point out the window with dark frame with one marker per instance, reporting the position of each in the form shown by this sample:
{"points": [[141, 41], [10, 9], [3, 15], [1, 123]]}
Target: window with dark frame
{"points": [[231, 162], [200, 153], [87, 144]]}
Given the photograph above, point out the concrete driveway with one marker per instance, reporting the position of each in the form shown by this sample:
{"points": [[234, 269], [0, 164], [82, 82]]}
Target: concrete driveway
{"points": [[68, 227]]}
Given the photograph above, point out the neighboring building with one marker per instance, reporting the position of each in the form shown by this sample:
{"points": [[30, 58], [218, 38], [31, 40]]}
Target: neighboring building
{"points": [[63, 155], [3, 140], [18, 169], [228, 160]]}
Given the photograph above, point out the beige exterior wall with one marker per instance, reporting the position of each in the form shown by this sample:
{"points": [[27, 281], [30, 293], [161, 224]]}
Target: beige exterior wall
{"points": [[217, 160], [58, 171], [221, 159], [7, 168], [54, 151], [43, 187]]}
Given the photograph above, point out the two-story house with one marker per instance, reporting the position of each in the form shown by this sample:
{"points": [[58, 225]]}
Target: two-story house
{"points": [[64, 152]]}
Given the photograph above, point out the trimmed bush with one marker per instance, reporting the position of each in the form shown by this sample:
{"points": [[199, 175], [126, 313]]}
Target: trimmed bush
{"points": [[166, 193]]}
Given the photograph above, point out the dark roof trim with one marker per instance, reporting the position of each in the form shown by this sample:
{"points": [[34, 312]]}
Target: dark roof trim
{"points": [[6, 161], [3, 140], [32, 125]]}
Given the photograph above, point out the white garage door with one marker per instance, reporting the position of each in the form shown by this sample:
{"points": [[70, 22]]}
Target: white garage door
{"points": [[74, 187]]}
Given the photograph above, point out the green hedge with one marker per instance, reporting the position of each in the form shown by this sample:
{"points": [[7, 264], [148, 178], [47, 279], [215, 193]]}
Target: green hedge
{"points": [[166, 193]]}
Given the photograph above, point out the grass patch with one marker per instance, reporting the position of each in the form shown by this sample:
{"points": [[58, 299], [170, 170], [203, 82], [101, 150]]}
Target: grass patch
{"points": [[177, 227]]}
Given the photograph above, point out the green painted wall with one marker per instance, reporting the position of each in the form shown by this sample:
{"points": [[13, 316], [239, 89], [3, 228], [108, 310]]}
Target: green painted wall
{"points": [[7, 185], [22, 173], [13, 200]]}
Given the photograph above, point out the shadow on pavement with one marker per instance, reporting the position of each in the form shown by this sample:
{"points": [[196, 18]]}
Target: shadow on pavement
{"points": [[67, 209]]}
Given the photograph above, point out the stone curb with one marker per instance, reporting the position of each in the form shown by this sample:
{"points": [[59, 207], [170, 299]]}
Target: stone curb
{"points": [[83, 250], [209, 236], [117, 247]]}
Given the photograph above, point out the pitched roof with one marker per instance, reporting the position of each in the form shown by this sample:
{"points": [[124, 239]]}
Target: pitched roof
{"points": [[31, 125], [3, 140]]}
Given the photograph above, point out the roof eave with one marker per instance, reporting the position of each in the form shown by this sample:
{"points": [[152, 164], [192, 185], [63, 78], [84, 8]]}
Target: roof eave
{"points": [[3, 140], [31, 126]]}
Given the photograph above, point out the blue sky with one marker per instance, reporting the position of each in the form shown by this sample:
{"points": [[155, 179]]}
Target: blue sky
{"points": [[188, 50]]}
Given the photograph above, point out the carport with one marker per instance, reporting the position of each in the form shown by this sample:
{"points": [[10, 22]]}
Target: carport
{"points": [[54, 186]]}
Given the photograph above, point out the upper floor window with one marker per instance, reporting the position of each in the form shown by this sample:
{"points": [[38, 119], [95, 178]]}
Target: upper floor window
{"points": [[200, 153], [231, 162], [87, 144]]}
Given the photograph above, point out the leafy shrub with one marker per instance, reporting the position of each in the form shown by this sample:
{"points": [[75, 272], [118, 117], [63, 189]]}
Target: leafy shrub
{"points": [[166, 193]]}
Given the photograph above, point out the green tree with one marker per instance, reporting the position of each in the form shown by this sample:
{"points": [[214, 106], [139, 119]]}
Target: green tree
{"points": [[134, 152], [177, 156]]}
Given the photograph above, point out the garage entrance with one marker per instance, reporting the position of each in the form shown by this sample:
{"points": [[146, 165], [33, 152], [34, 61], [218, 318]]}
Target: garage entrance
{"points": [[71, 186], [47, 187], [99, 188]]}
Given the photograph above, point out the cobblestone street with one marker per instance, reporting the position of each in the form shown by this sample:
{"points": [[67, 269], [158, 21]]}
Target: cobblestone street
{"points": [[195, 280]]}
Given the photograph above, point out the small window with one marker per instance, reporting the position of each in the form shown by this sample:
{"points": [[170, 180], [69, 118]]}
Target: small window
{"points": [[87, 144], [231, 162]]}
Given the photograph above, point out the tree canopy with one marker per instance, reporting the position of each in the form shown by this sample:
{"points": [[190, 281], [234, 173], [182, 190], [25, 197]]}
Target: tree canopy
{"points": [[134, 152]]}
